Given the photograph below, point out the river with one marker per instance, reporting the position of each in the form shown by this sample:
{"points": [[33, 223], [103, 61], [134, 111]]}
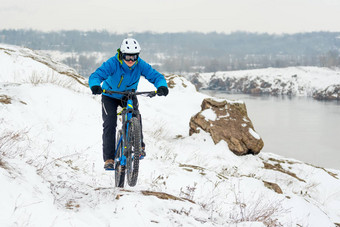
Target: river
{"points": [[295, 127]]}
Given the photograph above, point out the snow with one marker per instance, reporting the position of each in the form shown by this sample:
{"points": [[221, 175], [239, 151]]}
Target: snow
{"points": [[254, 134], [51, 167], [209, 114]]}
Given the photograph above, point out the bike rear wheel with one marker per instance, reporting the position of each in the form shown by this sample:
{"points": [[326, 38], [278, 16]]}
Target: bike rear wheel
{"points": [[133, 152], [119, 169]]}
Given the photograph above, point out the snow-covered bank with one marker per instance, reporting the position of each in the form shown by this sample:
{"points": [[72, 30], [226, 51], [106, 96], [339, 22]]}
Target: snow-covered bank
{"points": [[320, 83], [51, 165]]}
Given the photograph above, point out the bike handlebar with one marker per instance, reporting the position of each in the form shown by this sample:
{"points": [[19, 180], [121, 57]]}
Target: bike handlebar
{"points": [[148, 93]]}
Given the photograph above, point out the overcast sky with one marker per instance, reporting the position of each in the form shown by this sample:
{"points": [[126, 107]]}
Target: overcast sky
{"points": [[272, 16]]}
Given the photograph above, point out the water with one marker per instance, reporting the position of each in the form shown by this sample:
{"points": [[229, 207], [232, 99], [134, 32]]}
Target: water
{"points": [[295, 127]]}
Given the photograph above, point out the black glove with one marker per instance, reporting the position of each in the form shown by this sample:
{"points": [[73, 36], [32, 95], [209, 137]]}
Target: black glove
{"points": [[96, 90], [162, 91]]}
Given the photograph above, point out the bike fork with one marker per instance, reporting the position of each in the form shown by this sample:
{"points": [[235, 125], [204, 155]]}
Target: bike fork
{"points": [[122, 158]]}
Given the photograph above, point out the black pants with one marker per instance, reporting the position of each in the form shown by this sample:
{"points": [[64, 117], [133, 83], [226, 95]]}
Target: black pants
{"points": [[109, 115]]}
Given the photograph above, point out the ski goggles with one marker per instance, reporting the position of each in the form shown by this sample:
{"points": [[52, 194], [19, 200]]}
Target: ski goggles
{"points": [[130, 57]]}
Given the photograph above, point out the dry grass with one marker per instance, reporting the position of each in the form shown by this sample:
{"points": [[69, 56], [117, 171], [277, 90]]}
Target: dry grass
{"points": [[166, 196], [9, 146], [52, 78], [257, 210], [5, 99], [278, 167], [188, 192], [294, 162], [8, 142], [72, 205], [273, 186], [3, 164], [68, 72]]}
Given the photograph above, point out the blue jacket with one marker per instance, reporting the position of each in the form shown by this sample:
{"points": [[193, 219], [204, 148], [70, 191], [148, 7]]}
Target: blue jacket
{"points": [[118, 76]]}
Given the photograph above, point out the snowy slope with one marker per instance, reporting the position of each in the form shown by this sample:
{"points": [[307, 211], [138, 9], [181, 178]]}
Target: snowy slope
{"points": [[51, 164], [23, 65]]}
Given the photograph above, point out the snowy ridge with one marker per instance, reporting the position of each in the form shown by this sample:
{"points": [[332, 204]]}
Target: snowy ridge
{"points": [[17, 67], [51, 167], [300, 81]]}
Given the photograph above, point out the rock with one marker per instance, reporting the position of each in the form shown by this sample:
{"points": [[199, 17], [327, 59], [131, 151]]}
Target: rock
{"points": [[228, 121], [330, 93], [196, 82]]}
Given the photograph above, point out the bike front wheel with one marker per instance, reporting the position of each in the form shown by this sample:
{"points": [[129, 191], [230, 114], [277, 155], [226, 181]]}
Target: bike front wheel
{"points": [[133, 152], [119, 169]]}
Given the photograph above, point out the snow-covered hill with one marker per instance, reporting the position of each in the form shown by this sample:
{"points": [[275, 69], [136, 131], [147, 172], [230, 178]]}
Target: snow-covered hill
{"points": [[23, 65], [320, 83], [51, 168]]}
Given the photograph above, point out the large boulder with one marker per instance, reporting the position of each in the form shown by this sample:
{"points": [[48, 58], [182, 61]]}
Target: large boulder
{"points": [[228, 121]]}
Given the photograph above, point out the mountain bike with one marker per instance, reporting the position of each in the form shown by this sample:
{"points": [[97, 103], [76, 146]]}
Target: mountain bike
{"points": [[129, 139]]}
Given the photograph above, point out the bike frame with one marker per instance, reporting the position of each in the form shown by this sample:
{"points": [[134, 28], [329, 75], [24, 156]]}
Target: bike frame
{"points": [[126, 115]]}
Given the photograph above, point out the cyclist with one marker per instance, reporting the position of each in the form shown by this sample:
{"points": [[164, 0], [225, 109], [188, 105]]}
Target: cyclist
{"points": [[121, 73]]}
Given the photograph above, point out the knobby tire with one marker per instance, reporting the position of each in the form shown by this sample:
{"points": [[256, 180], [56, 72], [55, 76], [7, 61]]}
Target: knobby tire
{"points": [[119, 169], [134, 147]]}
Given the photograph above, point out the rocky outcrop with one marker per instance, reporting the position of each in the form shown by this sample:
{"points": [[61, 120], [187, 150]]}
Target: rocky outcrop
{"points": [[330, 93], [254, 85], [228, 121], [319, 83]]}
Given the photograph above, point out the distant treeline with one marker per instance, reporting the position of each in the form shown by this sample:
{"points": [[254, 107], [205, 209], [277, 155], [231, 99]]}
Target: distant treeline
{"points": [[192, 51]]}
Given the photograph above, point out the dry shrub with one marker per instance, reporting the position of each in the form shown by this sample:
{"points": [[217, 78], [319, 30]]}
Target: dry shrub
{"points": [[52, 78], [3, 164], [9, 143], [258, 210], [9, 146]]}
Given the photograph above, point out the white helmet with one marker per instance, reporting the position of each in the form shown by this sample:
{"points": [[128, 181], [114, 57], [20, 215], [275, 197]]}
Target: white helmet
{"points": [[130, 46]]}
